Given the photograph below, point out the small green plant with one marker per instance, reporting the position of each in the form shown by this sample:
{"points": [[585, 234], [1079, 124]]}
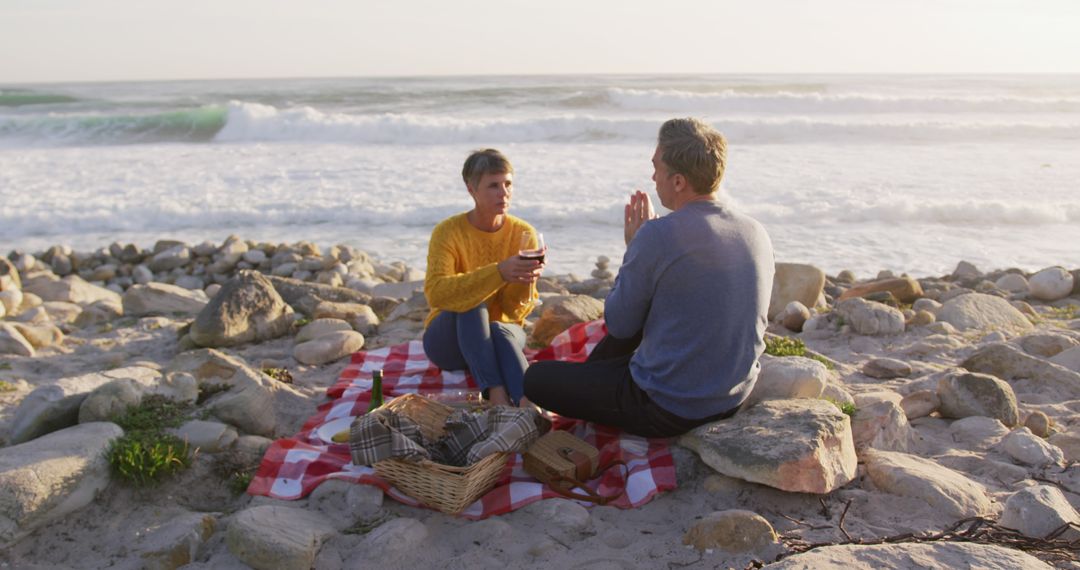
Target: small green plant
{"points": [[784, 346], [144, 457], [1066, 313], [280, 374], [5, 366], [847, 408], [828, 363], [153, 414], [239, 481], [6, 386], [301, 322], [367, 524]]}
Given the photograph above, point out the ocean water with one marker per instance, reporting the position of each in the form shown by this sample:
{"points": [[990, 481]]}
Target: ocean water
{"points": [[908, 173]]}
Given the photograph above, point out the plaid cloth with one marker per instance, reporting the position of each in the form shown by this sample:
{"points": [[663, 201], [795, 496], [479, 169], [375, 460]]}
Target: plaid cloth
{"points": [[471, 437], [294, 466], [384, 434]]}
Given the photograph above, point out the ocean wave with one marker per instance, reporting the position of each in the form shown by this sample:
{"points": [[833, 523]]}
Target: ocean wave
{"points": [[21, 97], [191, 125], [942, 212], [810, 102]]}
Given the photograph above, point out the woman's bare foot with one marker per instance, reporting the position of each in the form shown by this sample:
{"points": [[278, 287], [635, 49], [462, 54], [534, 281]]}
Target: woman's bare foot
{"points": [[497, 396]]}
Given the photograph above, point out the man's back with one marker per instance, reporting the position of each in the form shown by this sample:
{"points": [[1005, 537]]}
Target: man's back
{"points": [[697, 283]]}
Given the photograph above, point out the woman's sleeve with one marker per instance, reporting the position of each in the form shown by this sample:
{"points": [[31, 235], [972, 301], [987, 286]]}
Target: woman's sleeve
{"points": [[447, 290]]}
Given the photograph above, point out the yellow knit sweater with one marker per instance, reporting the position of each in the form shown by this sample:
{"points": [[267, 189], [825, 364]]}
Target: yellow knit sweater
{"points": [[462, 270]]}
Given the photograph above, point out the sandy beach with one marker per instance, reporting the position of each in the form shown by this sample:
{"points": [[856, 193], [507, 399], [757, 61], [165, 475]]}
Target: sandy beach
{"points": [[959, 396]]}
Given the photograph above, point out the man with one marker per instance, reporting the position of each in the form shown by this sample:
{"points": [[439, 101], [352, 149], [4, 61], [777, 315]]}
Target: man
{"points": [[687, 315]]}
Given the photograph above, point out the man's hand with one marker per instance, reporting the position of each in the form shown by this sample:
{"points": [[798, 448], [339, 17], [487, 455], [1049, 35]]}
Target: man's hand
{"points": [[516, 270], [637, 212]]}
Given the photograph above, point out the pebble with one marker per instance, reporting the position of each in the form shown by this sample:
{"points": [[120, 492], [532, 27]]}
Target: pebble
{"points": [[1039, 423], [886, 368]]}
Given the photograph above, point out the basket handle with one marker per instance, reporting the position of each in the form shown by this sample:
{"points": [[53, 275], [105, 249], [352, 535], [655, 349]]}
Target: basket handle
{"points": [[589, 495]]}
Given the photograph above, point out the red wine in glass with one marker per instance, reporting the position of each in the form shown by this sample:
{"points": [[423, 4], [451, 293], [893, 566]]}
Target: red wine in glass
{"points": [[538, 252]]}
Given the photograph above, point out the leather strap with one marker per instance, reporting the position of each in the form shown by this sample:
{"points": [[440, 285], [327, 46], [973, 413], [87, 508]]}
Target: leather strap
{"points": [[568, 485]]}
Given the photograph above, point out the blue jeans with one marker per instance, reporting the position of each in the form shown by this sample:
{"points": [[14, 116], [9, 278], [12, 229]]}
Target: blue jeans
{"points": [[492, 352]]}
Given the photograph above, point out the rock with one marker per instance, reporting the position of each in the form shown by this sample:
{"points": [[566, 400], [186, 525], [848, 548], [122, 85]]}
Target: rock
{"points": [[978, 432], [251, 448], [11, 301], [55, 406], [561, 312], [966, 271], [51, 477], [1039, 423], [912, 556], [1051, 284], [904, 289], [9, 276], [396, 536], [1068, 443], [343, 502], [869, 318], [881, 425], [71, 289], [209, 437], [926, 304], [328, 347], [277, 538], [40, 336], [964, 395], [247, 309], [162, 299], [175, 542], [979, 311], [254, 256], [794, 316], [246, 399], [320, 327], [886, 368], [13, 342], [1009, 363], [920, 404], [191, 283], [304, 297], [731, 531], [792, 445], [1037, 511], [110, 399], [1046, 344], [1030, 449], [788, 377], [142, 274], [942, 488], [563, 514], [1012, 282], [940, 328], [1068, 358], [795, 282], [62, 312], [837, 394], [397, 290], [99, 312], [922, 319]]}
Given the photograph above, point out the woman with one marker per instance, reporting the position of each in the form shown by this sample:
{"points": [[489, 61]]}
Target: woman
{"points": [[479, 289]]}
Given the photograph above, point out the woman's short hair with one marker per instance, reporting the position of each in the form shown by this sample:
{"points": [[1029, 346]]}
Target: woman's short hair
{"points": [[484, 161], [694, 149]]}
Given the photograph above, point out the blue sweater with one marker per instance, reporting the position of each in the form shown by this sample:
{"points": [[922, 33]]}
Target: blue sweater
{"points": [[697, 282]]}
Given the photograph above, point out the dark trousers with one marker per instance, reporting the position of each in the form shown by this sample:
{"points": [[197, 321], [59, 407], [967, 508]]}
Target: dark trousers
{"points": [[601, 390]]}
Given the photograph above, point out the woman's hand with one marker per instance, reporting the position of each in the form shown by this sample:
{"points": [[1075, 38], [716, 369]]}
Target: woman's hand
{"points": [[514, 269]]}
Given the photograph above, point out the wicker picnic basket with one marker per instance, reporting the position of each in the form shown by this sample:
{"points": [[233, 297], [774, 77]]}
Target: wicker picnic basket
{"points": [[442, 487]]}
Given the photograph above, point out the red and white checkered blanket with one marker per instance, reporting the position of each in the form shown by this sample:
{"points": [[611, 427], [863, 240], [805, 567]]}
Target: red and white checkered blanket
{"points": [[293, 467]]}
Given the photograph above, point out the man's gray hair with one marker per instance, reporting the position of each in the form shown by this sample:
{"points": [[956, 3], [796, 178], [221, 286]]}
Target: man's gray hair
{"points": [[694, 149]]}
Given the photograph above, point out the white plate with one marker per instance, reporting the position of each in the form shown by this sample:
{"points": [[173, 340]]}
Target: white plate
{"points": [[327, 431]]}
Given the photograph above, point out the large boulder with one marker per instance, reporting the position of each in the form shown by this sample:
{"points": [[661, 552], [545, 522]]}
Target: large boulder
{"points": [[328, 347], [13, 342], [904, 289], [175, 542], [1051, 284], [870, 318], [11, 300], [246, 309], [162, 299], [795, 282], [41, 336], [1037, 511], [1010, 363], [912, 556], [1030, 449], [946, 490], [244, 398], [1068, 358], [964, 395], [793, 445], [56, 406], [881, 425], [270, 537], [788, 377], [979, 311], [561, 312], [304, 296], [1046, 344], [48, 478], [731, 531], [70, 289]]}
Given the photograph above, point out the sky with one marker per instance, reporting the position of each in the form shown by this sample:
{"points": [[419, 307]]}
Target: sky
{"points": [[102, 40]]}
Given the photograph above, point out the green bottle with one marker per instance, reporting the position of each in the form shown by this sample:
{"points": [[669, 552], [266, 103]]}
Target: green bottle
{"points": [[376, 391]]}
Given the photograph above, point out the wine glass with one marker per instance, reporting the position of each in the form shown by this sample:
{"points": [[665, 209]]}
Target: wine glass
{"points": [[528, 251]]}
